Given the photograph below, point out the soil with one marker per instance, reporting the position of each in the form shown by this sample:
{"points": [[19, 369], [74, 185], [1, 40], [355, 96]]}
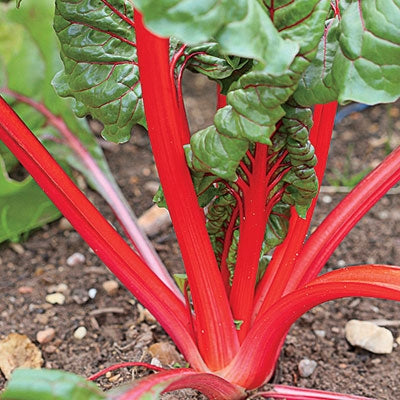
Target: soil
{"points": [[118, 330]]}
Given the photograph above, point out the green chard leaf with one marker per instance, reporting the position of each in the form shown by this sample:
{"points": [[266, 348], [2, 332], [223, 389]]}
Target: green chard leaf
{"points": [[17, 215], [44, 384], [209, 60], [100, 63], [255, 100], [358, 58], [242, 28]]}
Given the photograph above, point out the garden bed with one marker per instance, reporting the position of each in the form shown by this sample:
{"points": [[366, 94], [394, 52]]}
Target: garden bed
{"points": [[119, 330]]}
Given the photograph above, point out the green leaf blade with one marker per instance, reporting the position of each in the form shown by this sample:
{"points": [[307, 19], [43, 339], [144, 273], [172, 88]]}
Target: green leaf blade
{"points": [[42, 384], [100, 63], [17, 216], [358, 58]]}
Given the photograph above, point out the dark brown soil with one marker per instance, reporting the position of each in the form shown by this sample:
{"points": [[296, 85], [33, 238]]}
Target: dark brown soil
{"points": [[116, 329]]}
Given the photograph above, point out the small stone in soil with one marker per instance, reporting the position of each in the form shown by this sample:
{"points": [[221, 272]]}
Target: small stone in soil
{"points": [[327, 199], [151, 187], [50, 349], [111, 287], [307, 367], [114, 378], [320, 333], [17, 248], [92, 293], [369, 336], [25, 289], [80, 333], [65, 225], [76, 259], [46, 335], [156, 362], [165, 352], [154, 220], [55, 298], [80, 296]]}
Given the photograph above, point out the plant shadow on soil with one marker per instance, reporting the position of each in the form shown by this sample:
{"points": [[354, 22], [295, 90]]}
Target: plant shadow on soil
{"points": [[117, 329]]}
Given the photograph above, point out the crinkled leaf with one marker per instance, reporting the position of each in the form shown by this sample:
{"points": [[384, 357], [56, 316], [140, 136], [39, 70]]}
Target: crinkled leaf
{"points": [[100, 63], [255, 100], [242, 28], [42, 384], [358, 58], [23, 206], [301, 178], [209, 60]]}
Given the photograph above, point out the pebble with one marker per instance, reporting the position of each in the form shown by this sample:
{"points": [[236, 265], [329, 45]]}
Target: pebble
{"points": [[92, 293], [46, 336], [156, 362], [17, 248], [80, 296], [80, 333], [55, 298], [25, 289], [154, 220], [151, 187], [76, 259], [145, 315], [320, 333], [369, 336], [114, 378], [307, 367], [165, 353], [60, 288], [65, 225], [111, 287], [327, 199], [50, 349]]}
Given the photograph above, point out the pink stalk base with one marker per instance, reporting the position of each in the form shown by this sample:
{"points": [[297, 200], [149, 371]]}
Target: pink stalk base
{"points": [[211, 385], [294, 393]]}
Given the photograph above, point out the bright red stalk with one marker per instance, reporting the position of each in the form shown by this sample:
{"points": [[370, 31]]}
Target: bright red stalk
{"points": [[280, 270], [108, 190], [343, 218], [127, 266], [215, 331], [255, 362], [252, 231], [221, 98]]}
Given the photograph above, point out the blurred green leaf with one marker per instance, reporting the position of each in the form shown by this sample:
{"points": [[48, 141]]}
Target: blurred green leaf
{"points": [[44, 384], [23, 206]]}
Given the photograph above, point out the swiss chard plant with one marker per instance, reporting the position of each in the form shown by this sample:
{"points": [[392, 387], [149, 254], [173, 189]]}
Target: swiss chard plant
{"points": [[241, 193]]}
